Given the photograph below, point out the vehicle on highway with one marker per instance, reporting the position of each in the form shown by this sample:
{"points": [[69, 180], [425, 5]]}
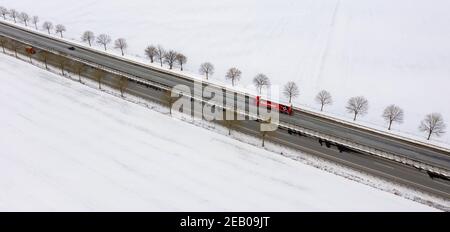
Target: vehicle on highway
{"points": [[272, 105], [30, 50], [71, 48]]}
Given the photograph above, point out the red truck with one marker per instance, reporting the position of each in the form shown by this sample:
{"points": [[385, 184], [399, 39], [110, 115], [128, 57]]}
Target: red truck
{"points": [[272, 105]]}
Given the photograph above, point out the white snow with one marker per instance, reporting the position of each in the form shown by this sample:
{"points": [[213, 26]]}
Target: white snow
{"points": [[68, 147], [392, 52]]}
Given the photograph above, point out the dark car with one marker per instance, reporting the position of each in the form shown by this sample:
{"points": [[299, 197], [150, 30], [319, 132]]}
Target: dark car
{"points": [[71, 48]]}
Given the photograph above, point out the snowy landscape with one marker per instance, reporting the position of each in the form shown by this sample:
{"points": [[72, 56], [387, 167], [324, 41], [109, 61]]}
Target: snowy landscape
{"points": [[66, 146], [56, 156], [390, 52]]}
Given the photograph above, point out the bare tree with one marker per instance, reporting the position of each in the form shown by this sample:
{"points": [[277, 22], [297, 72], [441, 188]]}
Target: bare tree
{"points": [[3, 41], [265, 133], [170, 58], [47, 26], [60, 29], [160, 54], [14, 14], [24, 17], [44, 56], [151, 52], [98, 76], [207, 69], [79, 68], [433, 124], [62, 63], [393, 113], [234, 75], [35, 20], [290, 90], [232, 123], [104, 40], [122, 84], [168, 100], [121, 44], [324, 98], [4, 12], [15, 46], [181, 59], [260, 81], [88, 36], [357, 106]]}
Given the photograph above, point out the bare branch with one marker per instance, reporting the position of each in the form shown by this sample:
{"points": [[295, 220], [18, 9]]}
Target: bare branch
{"points": [[234, 75], [291, 90], [170, 58], [181, 59], [433, 124], [324, 98], [60, 29], [358, 106], [151, 52], [24, 17], [35, 20], [104, 40], [98, 76], [4, 12], [207, 69], [260, 81], [88, 36], [47, 26], [121, 44], [393, 113], [160, 54], [14, 14]]}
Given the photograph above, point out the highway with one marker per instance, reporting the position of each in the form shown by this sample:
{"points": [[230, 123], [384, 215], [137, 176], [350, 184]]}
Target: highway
{"points": [[368, 163]]}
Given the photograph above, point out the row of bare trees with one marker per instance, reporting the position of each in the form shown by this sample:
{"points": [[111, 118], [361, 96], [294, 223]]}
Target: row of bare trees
{"points": [[170, 57], [104, 40], [432, 124], [26, 19]]}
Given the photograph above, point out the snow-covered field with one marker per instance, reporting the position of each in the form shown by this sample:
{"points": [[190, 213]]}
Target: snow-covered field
{"points": [[68, 147], [392, 52]]}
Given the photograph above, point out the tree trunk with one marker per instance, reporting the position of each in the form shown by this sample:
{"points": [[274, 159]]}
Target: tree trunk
{"points": [[48, 29], [321, 108], [104, 45], [62, 70], [45, 62], [61, 34], [181, 66], [79, 77], [354, 118], [99, 84], [89, 41], [429, 134], [206, 75], [26, 23], [35, 25], [121, 49], [263, 139], [390, 124], [290, 99], [160, 61]]}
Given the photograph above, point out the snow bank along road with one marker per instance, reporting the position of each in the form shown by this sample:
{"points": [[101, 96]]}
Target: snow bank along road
{"points": [[347, 134], [68, 147]]}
